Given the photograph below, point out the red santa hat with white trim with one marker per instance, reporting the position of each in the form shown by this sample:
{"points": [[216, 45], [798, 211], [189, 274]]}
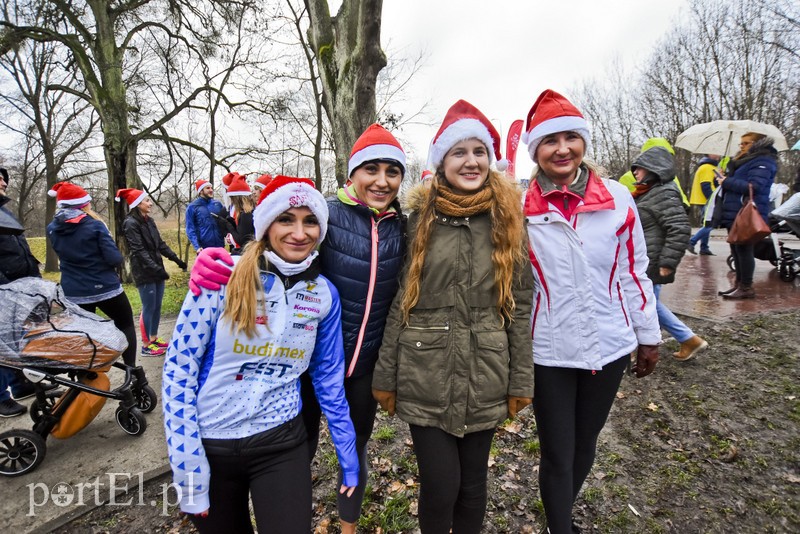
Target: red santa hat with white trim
{"points": [[464, 121], [553, 113], [262, 181], [286, 192], [228, 179], [238, 187], [201, 184], [133, 197], [69, 194], [376, 143]]}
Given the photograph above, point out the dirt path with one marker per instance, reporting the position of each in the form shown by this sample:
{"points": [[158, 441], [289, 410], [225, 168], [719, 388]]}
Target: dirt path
{"points": [[710, 445]]}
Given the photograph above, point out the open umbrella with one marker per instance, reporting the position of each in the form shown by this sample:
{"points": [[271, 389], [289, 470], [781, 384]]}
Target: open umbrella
{"points": [[796, 146], [722, 137]]}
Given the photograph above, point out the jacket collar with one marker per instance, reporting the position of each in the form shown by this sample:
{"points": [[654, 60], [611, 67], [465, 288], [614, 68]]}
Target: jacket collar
{"points": [[597, 197]]}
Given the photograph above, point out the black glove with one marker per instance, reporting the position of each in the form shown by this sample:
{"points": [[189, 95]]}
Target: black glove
{"points": [[180, 263]]}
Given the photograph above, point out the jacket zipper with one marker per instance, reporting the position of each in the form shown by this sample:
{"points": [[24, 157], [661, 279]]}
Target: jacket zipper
{"points": [[373, 274], [444, 328]]}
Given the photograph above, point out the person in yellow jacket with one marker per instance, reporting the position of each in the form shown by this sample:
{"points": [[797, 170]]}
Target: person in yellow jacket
{"points": [[704, 184], [628, 179]]}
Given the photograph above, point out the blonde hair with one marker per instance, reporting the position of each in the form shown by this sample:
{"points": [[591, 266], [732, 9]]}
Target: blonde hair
{"points": [[87, 209], [244, 298], [242, 204], [507, 239]]}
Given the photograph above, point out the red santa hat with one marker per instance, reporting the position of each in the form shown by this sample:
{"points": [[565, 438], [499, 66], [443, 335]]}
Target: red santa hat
{"points": [[376, 143], [426, 175], [238, 187], [69, 194], [553, 113], [286, 192], [262, 181], [133, 197], [200, 184], [228, 179], [464, 121]]}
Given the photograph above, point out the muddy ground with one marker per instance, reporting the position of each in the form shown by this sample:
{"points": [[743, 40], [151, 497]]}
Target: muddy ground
{"points": [[710, 445]]}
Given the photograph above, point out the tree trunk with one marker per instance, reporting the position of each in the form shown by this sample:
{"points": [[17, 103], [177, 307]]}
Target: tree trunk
{"points": [[349, 58]]}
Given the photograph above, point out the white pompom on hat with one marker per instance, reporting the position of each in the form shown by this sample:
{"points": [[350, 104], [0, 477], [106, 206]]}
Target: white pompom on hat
{"points": [[69, 194], [553, 113], [284, 193], [133, 197], [376, 143], [200, 184], [238, 187], [464, 121]]}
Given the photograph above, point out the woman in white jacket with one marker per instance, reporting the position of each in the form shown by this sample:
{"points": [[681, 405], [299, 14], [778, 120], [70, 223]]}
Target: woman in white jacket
{"points": [[593, 303]]}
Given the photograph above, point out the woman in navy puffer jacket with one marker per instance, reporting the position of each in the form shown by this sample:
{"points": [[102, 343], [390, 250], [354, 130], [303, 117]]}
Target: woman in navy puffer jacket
{"points": [[756, 165]]}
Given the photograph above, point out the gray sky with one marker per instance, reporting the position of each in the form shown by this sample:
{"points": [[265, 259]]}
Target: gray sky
{"points": [[499, 55]]}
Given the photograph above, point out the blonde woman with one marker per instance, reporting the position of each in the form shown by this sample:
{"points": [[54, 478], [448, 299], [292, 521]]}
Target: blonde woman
{"points": [[89, 258], [456, 354], [231, 378]]}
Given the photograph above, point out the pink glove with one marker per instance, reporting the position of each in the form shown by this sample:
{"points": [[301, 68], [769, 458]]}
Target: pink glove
{"points": [[207, 272]]}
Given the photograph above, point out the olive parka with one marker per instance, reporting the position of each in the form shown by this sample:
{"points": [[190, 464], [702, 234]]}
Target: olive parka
{"points": [[455, 364]]}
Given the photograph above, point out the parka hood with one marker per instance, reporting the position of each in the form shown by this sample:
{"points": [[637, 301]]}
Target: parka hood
{"points": [[415, 197], [66, 220], [658, 161]]}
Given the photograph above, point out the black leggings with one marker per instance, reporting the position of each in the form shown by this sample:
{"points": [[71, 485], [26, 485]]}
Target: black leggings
{"points": [[572, 406], [118, 309], [358, 391], [745, 258], [279, 483], [452, 479]]}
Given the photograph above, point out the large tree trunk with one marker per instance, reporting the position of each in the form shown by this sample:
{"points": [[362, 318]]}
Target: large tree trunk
{"points": [[349, 58]]}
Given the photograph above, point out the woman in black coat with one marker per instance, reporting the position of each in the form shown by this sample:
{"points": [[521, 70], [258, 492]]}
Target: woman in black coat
{"points": [[146, 248]]}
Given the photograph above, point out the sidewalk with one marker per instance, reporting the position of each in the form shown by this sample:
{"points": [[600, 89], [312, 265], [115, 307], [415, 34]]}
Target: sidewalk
{"points": [[77, 473]]}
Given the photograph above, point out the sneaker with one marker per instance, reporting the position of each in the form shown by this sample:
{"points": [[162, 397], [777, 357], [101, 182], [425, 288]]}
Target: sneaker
{"points": [[161, 342], [690, 348], [153, 350], [29, 390], [690, 248], [11, 408], [706, 252]]}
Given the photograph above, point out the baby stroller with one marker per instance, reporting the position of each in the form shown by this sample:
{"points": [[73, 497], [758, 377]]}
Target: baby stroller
{"points": [[784, 219], [53, 341]]}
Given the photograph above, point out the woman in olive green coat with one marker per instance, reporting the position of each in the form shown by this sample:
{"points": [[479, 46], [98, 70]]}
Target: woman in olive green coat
{"points": [[456, 354]]}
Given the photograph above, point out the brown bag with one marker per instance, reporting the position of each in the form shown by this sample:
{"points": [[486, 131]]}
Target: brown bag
{"points": [[83, 409], [749, 226]]}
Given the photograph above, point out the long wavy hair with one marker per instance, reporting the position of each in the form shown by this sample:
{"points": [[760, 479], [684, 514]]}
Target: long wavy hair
{"points": [[507, 241], [244, 299], [242, 204]]}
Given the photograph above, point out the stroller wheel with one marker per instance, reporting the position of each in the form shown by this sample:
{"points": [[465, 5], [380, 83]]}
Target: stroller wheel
{"points": [[131, 421], [146, 399], [21, 451], [38, 409], [731, 263], [787, 272]]}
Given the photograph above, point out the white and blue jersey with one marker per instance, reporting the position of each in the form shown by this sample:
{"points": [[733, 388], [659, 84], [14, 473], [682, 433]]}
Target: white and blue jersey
{"points": [[223, 385]]}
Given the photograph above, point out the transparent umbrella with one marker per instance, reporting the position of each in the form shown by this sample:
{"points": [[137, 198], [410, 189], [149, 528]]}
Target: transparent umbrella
{"points": [[722, 137]]}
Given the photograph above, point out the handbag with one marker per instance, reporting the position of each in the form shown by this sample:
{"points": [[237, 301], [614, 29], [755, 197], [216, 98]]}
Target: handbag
{"points": [[749, 226]]}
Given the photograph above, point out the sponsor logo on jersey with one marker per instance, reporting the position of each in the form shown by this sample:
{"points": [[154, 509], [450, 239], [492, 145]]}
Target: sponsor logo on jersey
{"points": [[268, 349], [251, 370]]}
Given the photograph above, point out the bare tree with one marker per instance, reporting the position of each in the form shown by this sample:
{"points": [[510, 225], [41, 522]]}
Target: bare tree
{"points": [[348, 52]]}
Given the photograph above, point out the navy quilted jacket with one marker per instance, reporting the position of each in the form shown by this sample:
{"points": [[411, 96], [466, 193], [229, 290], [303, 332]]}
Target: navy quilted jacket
{"points": [[363, 256], [759, 168]]}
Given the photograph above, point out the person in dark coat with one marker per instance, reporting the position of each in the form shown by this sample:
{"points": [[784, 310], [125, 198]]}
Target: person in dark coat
{"points": [[16, 261], [146, 248], [666, 232], [756, 165], [89, 258], [238, 225]]}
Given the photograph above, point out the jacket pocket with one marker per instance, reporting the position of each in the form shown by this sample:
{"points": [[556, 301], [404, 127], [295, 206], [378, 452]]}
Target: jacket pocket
{"points": [[491, 382], [422, 364]]}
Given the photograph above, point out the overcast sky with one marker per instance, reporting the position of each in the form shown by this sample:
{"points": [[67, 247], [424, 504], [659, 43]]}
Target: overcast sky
{"points": [[499, 55]]}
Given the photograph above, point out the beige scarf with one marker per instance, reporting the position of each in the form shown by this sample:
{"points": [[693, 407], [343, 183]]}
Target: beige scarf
{"points": [[455, 205]]}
